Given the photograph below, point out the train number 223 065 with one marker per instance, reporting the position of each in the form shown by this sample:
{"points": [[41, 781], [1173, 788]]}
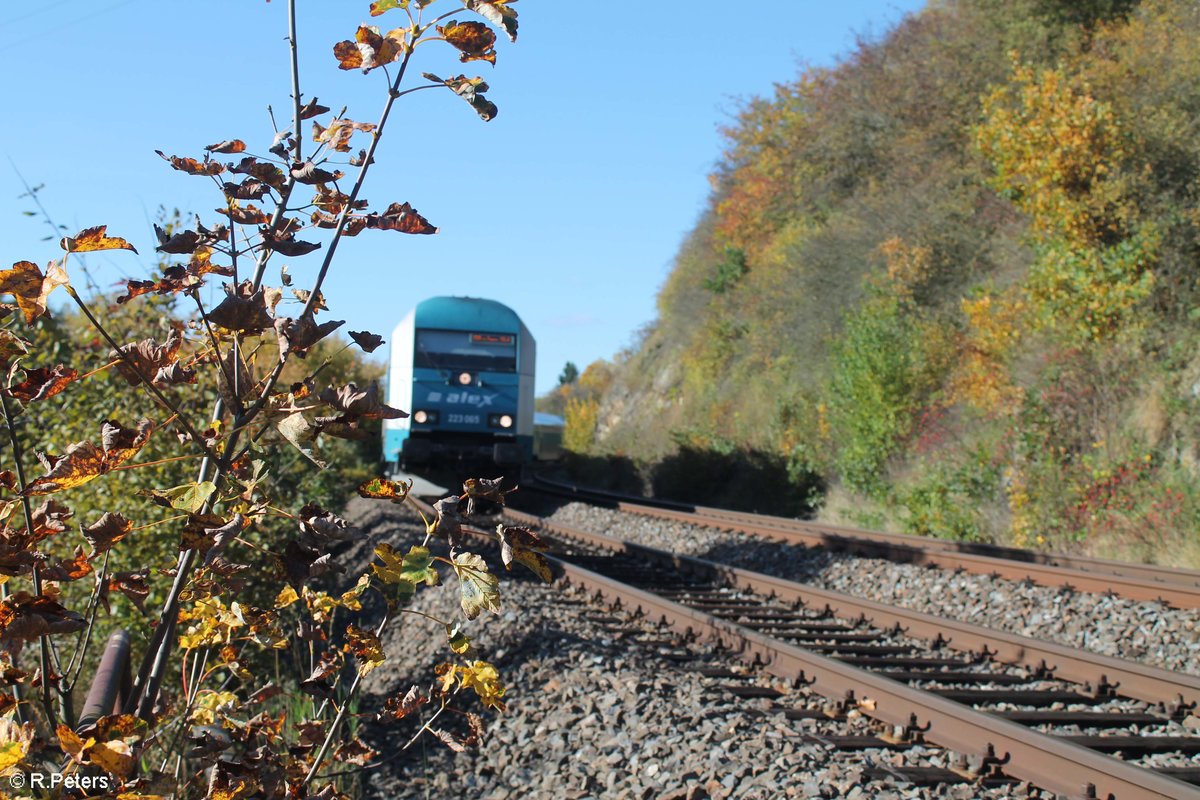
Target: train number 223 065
{"points": [[463, 419]]}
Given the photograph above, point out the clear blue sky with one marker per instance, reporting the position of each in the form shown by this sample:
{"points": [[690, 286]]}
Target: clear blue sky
{"points": [[569, 206]]}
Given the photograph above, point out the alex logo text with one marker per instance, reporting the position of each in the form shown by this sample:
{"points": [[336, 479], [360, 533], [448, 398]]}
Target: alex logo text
{"points": [[462, 398]]}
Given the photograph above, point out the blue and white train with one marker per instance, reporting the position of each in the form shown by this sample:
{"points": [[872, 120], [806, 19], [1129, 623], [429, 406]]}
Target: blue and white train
{"points": [[463, 368]]}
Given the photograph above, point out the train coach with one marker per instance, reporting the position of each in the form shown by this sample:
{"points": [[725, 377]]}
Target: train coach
{"points": [[463, 367]]}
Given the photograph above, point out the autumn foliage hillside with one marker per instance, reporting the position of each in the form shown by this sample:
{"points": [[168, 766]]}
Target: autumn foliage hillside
{"points": [[949, 286]]}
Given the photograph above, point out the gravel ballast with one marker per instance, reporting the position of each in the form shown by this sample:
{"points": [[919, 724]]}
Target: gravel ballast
{"points": [[601, 706], [1148, 632]]}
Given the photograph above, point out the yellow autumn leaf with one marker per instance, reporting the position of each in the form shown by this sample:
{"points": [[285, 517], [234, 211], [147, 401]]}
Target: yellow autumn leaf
{"points": [[209, 703], [286, 597], [11, 754], [351, 599], [24, 283], [90, 240], [393, 570], [484, 679], [212, 622], [15, 740], [320, 604], [446, 674], [85, 461], [114, 757], [72, 743], [366, 647], [459, 641]]}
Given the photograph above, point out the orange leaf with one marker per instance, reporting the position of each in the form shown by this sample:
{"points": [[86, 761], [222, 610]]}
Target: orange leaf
{"points": [[355, 752], [201, 264], [244, 215], [71, 569], [115, 758], [55, 276], [50, 518], [90, 240], [471, 90], [193, 167], [72, 744], [312, 109], [400, 217], [30, 287], [82, 462], [338, 134], [380, 489], [382, 6], [106, 531], [118, 726], [11, 346], [131, 584], [450, 740], [120, 443], [85, 461], [24, 282], [370, 49], [249, 189], [42, 383], [25, 617], [397, 707], [366, 647], [475, 40], [135, 289], [521, 545], [228, 146]]}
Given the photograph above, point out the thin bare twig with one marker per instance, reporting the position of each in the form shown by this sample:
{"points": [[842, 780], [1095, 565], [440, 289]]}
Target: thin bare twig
{"points": [[146, 380], [44, 639], [339, 229], [337, 721], [154, 662], [56, 230], [230, 380], [85, 637]]}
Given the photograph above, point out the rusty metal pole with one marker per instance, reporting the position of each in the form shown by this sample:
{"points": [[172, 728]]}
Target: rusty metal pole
{"points": [[110, 681]]}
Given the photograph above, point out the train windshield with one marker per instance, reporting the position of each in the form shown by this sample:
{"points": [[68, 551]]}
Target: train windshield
{"points": [[476, 351]]}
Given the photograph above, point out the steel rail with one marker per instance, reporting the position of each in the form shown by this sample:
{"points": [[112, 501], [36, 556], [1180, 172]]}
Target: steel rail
{"points": [[1049, 763], [1139, 681], [1179, 588]]}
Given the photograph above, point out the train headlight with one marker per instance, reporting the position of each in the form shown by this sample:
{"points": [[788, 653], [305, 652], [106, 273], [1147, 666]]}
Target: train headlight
{"points": [[500, 420], [505, 421], [464, 379], [422, 417]]}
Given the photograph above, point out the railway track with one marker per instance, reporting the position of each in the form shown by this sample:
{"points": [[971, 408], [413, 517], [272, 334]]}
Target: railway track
{"points": [[836, 725], [1039, 712], [1174, 587], [833, 749]]}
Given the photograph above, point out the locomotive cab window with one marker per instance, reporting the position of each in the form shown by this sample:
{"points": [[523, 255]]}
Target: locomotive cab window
{"points": [[476, 351]]}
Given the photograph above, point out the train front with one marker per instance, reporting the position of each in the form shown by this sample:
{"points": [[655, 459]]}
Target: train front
{"points": [[463, 368]]}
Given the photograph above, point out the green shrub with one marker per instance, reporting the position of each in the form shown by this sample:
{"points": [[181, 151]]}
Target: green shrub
{"points": [[887, 360], [946, 500]]}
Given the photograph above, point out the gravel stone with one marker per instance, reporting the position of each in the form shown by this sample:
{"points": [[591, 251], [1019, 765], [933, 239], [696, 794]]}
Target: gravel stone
{"points": [[596, 714], [1147, 632]]}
